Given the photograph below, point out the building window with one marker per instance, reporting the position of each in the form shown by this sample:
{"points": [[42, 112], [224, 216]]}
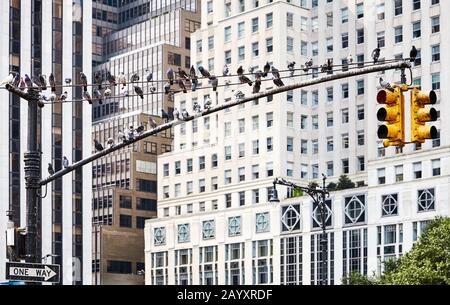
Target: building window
{"points": [[344, 88], [303, 147], [359, 10], [125, 221], [435, 52], [269, 169], [291, 260], [183, 233], [234, 226], [435, 24], [290, 144], [355, 209], [345, 140], [177, 167], [227, 34], [399, 173], [417, 168], [345, 116], [361, 164], [330, 169], [345, 166], [269, 119], [416, 5], [290, 169], [145, 204], [269, 144], [380, 11], [436, 81], [255, 25], [289, 44], [255, 49], [381, 175], [330, 145], [398, 7], [360, 87], [398, 34], [290, 218], [316, 259], [208, 229], [360, 112], [344, 38], [120, 267], [255, 172], [262, 222], [234, 264], [416, 29], [208, 265], [425, 200], [241, 29], [381, 39], [269, 20], [125, 202], [227, 152], [389, 205], [389, 244], [262, 262], [269, 45], [159, 236], [228, 200], [354, 251], [241, 53], [360, 135], [436, 167], [255, 196]]}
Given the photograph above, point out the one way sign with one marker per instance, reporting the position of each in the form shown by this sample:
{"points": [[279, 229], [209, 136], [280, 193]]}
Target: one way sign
{"points": [[32, 272]]}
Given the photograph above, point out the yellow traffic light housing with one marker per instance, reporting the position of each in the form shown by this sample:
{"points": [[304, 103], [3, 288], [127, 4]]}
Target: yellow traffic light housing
{"points": [[393, 131], [420, 115]]}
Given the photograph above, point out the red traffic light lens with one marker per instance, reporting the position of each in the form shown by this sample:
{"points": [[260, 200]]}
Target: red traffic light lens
{"points": [[381, 97]]}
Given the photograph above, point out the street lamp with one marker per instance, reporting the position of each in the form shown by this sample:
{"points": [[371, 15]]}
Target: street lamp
{"points": [[318, 196]]}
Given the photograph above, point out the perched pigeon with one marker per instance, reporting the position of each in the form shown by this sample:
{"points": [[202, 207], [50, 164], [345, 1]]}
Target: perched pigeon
{"points": [[63, 96], [376, 55], [37, 82], [194, 82], [139, 91], [196, 107], [130, 133], [148, 75], [184, 115], [308, 65], [204, 72], [97, 96], [413, 53], [122, 136], [165, 116], [16, 81], [28, 81], [98, 146], [182, 74], [349, 59], [52, 97], [68, 80], [239, 95], [225, 71], [7, 80], [257, 86], [242, 78], [122, 80], [152, 89], [124, 91], [98, 80], [111, 79], [65, 162], [152, 122], [266, 69], [166, 88], [276, 77], [182, 85], [140, 129], [83, 80], [50, 169], [207, 103], [110, 142], [134, 78], [291, 68], [324, 67], [170, 76], [51, 81], [107, 92], [214, 83], [384, 84], [22, 85], [176, 114], [192, 73]]}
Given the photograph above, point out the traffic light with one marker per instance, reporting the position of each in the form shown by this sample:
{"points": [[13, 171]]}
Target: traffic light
{"points": [[420, 115], [393, 131]]}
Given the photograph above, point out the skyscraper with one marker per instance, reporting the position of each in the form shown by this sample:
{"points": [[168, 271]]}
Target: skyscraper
{"points": [[148, 36], [46, 37], [215, 224]]}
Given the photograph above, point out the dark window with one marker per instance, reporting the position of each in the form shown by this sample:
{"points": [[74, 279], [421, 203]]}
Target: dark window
{"points": [[146, 186], [125, 202], [125, 221], [119, 267], [145, 204], [140, 222]]}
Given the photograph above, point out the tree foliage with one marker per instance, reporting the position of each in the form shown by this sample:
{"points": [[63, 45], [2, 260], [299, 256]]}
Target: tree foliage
{"points": [[345, 183]]}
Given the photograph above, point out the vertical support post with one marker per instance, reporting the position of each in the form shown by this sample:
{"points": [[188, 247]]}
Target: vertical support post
{"points": [[32, 159], [323, 239], [403, 76]]}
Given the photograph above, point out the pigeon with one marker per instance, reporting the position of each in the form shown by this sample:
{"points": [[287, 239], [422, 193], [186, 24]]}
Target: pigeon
{"points": [[239, 95], [227, 83], [330, 63], [225, 71], [152, 89], [83, 80], [140, 129], [384, 84], [324, 67], [182, 74], [37, 82], [42, 97], [166, 88], [349, 59], [7, 80], [184, 115], [214, 83], [63, 96], [50, 169], [148, 75], [251, 69], [257, 86], [130, 133], [65, 162], [308, 65], [22, 84], [240, 71], [376, 55], [134, 78], [194, 82], [170, 76], [413, 53], [97, 96], [122, 136], [152, 122], [242, 78], [98, 146], [266, 69], [111, 79], [28, 81], [98, 80], [204, 72], [68, 81], [176, 114], [276, 77], [182, 85], [291, 68], [207, 103], [192, 73], [122, 79], [110, 142], [16, 81], [107, 92], [51, 81], [139, 91], [196, 107], [164, 115], [52, 97]]}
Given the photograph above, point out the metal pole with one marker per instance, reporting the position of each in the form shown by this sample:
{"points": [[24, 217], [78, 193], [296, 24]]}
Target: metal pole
{"points": [[323, 239], [32, 159]]}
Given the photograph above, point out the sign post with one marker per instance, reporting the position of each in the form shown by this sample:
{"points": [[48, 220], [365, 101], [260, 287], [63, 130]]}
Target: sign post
{"points": [[32, 272]]}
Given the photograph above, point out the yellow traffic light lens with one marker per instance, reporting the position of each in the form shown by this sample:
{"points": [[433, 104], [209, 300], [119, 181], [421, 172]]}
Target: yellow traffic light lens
{"points": [[427, 132]]}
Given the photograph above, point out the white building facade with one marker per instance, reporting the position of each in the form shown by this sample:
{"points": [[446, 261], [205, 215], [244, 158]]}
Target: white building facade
{"points": [[215, 224], [43, 37]]}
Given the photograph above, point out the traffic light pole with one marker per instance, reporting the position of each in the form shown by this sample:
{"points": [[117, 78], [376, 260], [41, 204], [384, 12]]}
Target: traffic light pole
{"points": [[32, 157]]}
